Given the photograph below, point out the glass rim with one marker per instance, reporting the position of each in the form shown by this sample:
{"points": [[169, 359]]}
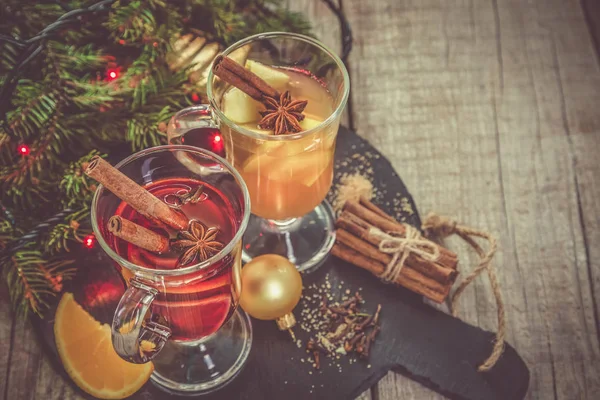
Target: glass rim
{"points": [[328, 121], [192, 268]]}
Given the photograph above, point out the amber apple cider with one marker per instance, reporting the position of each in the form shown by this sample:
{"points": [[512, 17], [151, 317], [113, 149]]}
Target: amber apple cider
{"points": [[287, 175]]}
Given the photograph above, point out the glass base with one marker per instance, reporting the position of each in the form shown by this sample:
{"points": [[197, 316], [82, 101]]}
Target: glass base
{"points": [[203, 366], [305, 241]]}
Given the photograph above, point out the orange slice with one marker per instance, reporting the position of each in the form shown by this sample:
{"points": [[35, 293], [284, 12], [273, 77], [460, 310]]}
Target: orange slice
{"points": [[86, 350]]}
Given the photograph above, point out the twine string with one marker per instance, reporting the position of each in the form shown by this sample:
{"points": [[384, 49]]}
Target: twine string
{"points": [[401, 246], [439, 226]]}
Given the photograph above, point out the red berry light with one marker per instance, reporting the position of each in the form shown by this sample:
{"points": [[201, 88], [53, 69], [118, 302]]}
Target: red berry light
{"points": [[23, 149], [195, 97], [89, 241], [112, 74], [217, 143]]}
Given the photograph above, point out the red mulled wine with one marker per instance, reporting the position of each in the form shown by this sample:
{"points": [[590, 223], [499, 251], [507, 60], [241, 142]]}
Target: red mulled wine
{"points": [[195, 304]]}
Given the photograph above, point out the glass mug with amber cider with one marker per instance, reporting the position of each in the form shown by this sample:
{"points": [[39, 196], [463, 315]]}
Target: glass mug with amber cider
{"points": [[288, 171]]}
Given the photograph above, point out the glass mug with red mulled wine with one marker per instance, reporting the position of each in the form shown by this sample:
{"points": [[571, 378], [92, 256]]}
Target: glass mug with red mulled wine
{"points": [[174, 231]]}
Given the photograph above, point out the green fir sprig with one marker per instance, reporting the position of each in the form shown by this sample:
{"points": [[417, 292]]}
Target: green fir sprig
{"points": [[65, 109]]}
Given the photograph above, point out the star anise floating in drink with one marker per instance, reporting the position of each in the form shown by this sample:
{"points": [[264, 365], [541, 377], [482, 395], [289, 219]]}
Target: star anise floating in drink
{"points": [[197, 244], [282, 115]]}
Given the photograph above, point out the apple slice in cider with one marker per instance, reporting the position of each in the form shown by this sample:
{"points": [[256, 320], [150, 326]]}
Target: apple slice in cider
{"points": [[277, 79], [239, 107]]}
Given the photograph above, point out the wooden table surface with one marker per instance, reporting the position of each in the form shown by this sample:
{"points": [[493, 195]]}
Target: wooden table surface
{"points": [[490, 112]]}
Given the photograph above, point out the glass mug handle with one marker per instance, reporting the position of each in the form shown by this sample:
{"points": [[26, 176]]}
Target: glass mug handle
{"points": [[194, 117], [135, 339], [198, 116]]}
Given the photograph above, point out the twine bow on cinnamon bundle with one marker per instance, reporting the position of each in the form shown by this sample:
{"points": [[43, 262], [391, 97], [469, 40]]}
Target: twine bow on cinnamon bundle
{"points": [[397, 253]]}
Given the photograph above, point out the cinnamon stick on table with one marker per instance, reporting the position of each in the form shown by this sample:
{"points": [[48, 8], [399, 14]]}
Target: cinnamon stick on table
{"points": [[137, 234], [133, 194], [356, 244]]}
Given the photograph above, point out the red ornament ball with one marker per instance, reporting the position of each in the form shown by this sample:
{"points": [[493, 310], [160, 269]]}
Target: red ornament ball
{"points": [[195, 97]]}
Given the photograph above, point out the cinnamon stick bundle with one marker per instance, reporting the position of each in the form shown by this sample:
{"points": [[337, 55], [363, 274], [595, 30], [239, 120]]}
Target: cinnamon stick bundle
{"points": [[133, 194], [137, 234], [356, 244]]}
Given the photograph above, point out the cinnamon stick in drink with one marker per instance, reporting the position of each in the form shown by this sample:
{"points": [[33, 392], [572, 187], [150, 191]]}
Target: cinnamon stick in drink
{"points": [[137, 235], [133, 194], [242, 78]]}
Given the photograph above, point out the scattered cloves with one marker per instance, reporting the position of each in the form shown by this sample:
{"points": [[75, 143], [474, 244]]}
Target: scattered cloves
{"points": [[360, 346], [317, 357], [369, 341], [376, 316], [347, 330], [361, 326], [349, 345]]}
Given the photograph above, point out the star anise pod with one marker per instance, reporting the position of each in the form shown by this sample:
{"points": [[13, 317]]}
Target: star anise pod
{"points": [[282, 115], [198, 243]]}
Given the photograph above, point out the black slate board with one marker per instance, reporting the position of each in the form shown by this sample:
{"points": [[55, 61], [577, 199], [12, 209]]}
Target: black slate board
{"points": [[416, 340]]}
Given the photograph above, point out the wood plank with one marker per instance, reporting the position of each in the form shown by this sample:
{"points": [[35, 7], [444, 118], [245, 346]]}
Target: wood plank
{"points": [[366, 395], [326, 28], [450, 93], [591, 11], [567, 341], [579, 86], [26, 371], [324, 23], [5, 337], [26, 357], [49, 385], [395, 386]]}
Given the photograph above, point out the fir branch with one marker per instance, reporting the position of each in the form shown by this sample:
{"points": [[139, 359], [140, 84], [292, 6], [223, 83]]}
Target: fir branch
{"points": [[75, 228], [37, 162], [71, 62], [34, 106], [76, 186], [64, 108], [135, 21], [6, 233], [33, 280], [143, 132]]}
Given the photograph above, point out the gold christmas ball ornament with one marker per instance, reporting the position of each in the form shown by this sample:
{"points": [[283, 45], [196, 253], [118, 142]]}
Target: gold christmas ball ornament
{"points": [[271, 288]]}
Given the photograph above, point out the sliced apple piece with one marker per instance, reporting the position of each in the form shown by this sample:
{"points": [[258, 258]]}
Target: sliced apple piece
{"points": [[309, 123], [239, 107], [254, 128], [263, 146], [258, 163], [272, 76], [240, 54]]}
